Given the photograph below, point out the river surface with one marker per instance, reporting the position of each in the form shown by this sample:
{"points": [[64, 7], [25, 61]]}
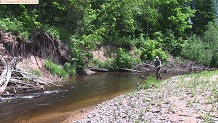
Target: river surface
{"points": [[76, 93]]}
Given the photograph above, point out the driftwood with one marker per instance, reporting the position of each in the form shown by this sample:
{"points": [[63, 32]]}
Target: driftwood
{"points": [[6, 74], [129, 70], [99, 69], [14, 80]]}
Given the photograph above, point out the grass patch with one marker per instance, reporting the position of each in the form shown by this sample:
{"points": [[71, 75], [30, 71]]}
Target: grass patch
{"points": [[55, 69], [36, 72], [151, 82], [207, 118]]}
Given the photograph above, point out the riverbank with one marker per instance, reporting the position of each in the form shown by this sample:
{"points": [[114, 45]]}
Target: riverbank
{"points": [[188, 98]]}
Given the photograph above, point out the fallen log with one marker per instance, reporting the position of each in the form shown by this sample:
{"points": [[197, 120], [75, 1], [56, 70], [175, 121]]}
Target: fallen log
{"points": [[6, 74], [128, 70], [99, 69], [14, 80]]}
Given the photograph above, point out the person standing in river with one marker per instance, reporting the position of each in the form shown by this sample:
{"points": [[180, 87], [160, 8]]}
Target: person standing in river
{"points": [[157, 64]]}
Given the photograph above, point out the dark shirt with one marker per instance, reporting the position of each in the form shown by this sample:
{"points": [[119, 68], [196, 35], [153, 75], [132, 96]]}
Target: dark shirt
{"points": [[157, 63]]}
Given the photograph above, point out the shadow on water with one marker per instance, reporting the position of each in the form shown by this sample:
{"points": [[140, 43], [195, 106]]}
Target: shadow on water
{"points": [[77, 92]]}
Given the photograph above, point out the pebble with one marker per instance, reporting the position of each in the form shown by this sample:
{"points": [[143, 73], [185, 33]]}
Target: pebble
{"points": [[144, 106]]}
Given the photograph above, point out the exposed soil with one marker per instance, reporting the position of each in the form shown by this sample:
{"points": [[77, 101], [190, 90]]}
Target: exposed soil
{"points": [[32, 55]]}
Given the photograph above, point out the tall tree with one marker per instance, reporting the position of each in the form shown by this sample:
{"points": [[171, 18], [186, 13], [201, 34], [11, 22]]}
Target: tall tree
{"points": [[175, 16], [205, 12]]}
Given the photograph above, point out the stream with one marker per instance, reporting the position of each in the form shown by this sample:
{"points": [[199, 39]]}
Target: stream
{"points": [[76, 93]]}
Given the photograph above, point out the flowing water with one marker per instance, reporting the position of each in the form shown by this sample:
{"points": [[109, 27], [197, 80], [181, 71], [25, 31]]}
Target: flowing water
{"points": [[77, 92]]}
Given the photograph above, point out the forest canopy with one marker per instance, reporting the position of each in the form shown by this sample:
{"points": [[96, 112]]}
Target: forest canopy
{"points": [[185, 28]]}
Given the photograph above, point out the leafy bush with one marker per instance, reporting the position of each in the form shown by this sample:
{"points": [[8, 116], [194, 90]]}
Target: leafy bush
{"points": [[210, 38], [14, 26], [203, 49], [97, 63], [54, 31], [169, 42], [196, 50], [125, 42], [80, 53], [124, 59], [55, 69], [108, 64], [71, 69], [150, 49]]}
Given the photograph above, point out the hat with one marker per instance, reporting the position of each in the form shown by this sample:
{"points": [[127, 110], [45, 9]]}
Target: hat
{"points": [[156, 57]]}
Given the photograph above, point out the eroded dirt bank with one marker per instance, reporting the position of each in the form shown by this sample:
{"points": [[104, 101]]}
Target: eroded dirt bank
{"points": [[30, 66]]}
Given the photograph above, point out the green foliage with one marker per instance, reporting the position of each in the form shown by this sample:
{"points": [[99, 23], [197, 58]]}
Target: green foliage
{"points": [[124, 60], [203, 49], [150, 49], [108, 64], [29, 19], [170, 43], [52, 30], [14, 26], [210, 38], [124, 42], [36, 72], [70, 69], [117, 17], [77, 52], [123, 23], [151, 82], [207, 118], [97, 63], [205, 13], [175, 15], [55, 69], [196, 50], [80, 52]]}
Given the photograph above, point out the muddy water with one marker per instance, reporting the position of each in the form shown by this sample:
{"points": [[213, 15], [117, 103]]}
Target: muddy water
{"points": [[52, 105]]}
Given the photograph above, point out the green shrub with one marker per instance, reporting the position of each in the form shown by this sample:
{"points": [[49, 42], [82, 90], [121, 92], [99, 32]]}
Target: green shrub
{"points": [[97, 63], [125, 42], [203, 49], [80, 52], [214, 60], [196, 50], [124, 59], [14, 26], [52, 30], [150, 49], [55, 69], [210, 38], [171, 44], [108, 64], [71, 69]]}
